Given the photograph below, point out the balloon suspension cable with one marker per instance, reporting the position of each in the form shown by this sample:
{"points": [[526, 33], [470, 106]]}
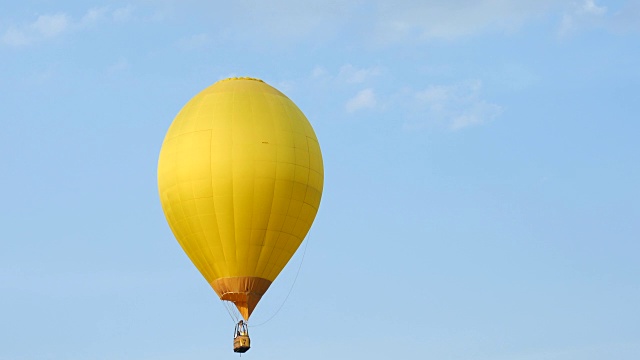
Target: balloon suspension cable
{"points": [[230, 310], [290, 289]]}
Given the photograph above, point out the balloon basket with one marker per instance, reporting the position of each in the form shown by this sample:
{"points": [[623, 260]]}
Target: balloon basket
{"points": [[241, 341]]}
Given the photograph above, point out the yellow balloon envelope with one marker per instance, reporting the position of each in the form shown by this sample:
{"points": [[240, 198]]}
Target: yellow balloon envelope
{"points": [[240, 178]]}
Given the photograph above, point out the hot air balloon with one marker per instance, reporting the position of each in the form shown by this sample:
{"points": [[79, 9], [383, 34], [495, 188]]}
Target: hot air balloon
{"points": [[240, 177]]}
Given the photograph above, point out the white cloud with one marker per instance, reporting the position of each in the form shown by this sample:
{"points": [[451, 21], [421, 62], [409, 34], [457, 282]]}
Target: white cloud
{"points": [[385, 22], [476, 114], [353, 75], [457, 106], [98, 14], [94, 15], [585, 14], [362, 100], [590, 7], [120, 65], [45, 26], [50, 26], [567, 25], [454, 106], [15, 37], [406, 19], [627, 18], [294, 20], [123, 14], [347, 75], [104, 13], [319, 72], [378, 22]]}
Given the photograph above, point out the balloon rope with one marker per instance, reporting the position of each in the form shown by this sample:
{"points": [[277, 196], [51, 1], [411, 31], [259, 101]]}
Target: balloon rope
{"points": [[229, 311], [290, 289], [234, 310]]}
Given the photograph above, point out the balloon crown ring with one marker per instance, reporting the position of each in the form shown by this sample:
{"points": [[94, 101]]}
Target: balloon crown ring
{"points": [[241, 78]]}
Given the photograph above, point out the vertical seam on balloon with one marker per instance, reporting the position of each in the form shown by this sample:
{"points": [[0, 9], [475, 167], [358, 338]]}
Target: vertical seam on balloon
{"points": [[304, 200], [213, 217], [199, 244], [225, 250], [261, 247], [253, 187], [233, 207], [283, 249], [215, 213], [215, 208], [278, 232], [168, 207], [293, 235], [269, 265], [287, 110], [181, 202]]}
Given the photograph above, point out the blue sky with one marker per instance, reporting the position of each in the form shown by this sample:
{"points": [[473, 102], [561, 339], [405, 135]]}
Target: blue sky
{"points": [[481, 201]]}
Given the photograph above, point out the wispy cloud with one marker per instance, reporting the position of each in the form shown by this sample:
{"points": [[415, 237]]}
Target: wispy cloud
{"points": [[15, 37], [94, 15], [428, 20], [120, 65], [354, 75], [590, 7], [347, 79], [364, 99], [50, 26], [379, 22], [408, 20], [587, 13], [347, 74], [319, 72], [627, 18], [122, 13], [457, 106], [291, 20], [43, 27]]}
